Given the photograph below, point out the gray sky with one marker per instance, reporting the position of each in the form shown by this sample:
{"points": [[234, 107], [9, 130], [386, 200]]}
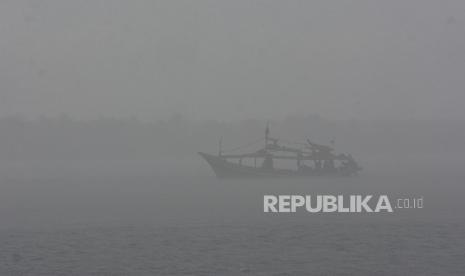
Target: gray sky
{"points": [[231, 60]]}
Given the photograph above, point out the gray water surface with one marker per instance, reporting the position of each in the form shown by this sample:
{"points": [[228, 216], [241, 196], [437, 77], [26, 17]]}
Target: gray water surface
{"points": [[175, 218]]}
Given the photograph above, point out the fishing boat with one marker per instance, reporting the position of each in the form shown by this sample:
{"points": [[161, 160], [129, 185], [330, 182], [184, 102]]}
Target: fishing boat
{"points": [[309, 159]]}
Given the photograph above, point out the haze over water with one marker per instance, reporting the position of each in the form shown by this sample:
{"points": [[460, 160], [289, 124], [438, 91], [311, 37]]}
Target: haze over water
{"points": [[105, 104], [175, 217]]}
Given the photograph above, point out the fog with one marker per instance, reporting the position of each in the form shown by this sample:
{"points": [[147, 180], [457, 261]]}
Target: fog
{"points": [[232, 60], [104, 106], [57, 172], [65, 138], [105, 102]]}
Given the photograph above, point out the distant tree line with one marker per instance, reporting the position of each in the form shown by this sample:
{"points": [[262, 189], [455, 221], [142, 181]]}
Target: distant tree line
{"points": [[110, 138]]}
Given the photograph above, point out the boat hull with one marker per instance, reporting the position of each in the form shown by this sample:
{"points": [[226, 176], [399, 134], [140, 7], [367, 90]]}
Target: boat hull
{"points": [[226, 169]]}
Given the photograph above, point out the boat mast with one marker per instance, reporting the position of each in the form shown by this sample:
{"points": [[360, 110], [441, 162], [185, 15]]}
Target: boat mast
{"points": [[220, 146], [267, 133]]}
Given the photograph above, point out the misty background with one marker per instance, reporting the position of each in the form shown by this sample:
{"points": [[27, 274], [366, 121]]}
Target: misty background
{"points": [[153, 79], [64, 138], [233, 60], [105, 104], [103, 101]]}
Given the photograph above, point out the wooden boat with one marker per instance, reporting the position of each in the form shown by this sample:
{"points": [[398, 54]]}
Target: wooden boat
{"points": [[310, 159]]}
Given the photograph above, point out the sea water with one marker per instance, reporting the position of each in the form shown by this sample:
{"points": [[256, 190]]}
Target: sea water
{"points": [[176, 218]]}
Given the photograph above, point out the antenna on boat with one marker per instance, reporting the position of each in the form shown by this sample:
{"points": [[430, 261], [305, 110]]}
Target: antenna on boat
{"points": [[220, 146], [267, 132]]}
